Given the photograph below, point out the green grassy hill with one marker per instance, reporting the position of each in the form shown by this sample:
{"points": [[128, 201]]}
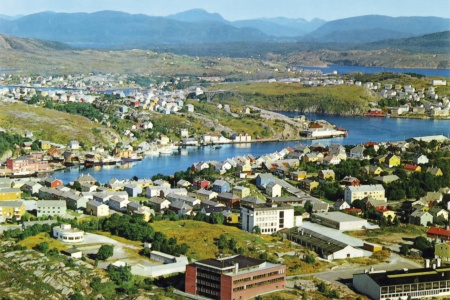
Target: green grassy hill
{"points": [[340, 99], [52, 125]]}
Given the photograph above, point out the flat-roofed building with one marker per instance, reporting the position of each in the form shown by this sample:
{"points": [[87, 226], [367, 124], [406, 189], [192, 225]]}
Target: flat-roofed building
{"points": [[269, 217], [339, 220], [405, 283], [235, 277]]}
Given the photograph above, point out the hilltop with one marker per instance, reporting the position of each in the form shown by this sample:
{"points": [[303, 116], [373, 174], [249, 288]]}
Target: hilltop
{"points": [[52, 125]]}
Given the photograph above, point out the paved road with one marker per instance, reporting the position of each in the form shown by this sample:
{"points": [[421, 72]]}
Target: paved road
{"points": [[344, 275]]}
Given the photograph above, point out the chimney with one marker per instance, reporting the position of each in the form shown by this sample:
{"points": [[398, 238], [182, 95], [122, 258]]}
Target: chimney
{"points": [[438, 262], [434, 266], [427, 263]]}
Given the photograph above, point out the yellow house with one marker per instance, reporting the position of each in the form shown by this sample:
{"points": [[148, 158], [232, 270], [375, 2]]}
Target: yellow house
{"points": [[12, 209], [298, 176], [392, 160], [241, 191], [310, 184], [326, 174], [442, 251], [10, 194], [45, 145], [373, 170], [231, 218], [387, 213], [435, 171], [243, 168]]}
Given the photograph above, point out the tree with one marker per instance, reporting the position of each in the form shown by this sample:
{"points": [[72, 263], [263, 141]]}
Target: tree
{"points": [[76, 296], [222, 242], [308, 206], [257, 229], [323, 288], [309, 259], [120, 275], [404, 250], [232, 244], [105, 252], [41, 247], [383, 222]]}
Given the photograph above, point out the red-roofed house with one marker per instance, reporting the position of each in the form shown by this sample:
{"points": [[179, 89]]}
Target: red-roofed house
{"points": [[437, 234], [412, 168]]}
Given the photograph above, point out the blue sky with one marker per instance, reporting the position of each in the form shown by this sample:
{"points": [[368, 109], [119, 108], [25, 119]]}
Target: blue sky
{"points": [[240, 9]]}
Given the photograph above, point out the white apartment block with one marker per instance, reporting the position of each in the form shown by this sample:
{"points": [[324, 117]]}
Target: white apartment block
{"points": [[51, 208], [374, 191], [269, 218]]}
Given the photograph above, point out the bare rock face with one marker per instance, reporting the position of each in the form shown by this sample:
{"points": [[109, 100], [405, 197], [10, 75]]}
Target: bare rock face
{"points": [[32, 275]]}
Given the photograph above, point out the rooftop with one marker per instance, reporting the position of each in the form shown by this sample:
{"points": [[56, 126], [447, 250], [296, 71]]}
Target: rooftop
{"points": [[338, 216]]}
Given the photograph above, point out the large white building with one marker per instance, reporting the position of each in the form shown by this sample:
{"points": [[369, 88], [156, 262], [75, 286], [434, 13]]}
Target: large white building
{"points": [[339, 221], [47, 208], [65, 233], [374, 191], [269, 217]]}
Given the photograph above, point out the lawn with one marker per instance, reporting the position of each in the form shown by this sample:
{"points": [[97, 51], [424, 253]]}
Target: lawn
{"points": [[43, 237], [202, 238]]}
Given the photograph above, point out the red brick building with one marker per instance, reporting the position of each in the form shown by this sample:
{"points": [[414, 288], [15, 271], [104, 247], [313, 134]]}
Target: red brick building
{"points": [[236, 277]]}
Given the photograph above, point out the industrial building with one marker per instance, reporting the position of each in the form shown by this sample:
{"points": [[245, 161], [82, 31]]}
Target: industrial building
{"points": [[339, 220], [325, 246], [428, 282], [235, 277]]}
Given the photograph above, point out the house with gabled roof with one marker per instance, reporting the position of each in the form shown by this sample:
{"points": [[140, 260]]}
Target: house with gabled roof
{"points": [[357, 152], [392, 160], [181, 208], [420, 159], [439, 214], [412, 168], [221, 186], [326, 175], [421, 218], [435, 171], [372, 170], [206, 194], [159, 203]]}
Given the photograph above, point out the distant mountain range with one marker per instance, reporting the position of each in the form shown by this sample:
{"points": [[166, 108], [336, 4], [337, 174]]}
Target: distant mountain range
{"points": [[111, 29]]}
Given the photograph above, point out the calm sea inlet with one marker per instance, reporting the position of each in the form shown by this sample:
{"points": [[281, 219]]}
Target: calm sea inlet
{"points": [[361, 129]]}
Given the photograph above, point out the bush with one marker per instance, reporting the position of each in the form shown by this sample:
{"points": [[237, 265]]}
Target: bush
{"points": [[41, 247], [309, 259], [105, 252]]}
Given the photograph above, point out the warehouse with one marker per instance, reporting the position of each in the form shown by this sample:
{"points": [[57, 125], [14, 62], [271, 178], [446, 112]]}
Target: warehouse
{"points": [[326, 247], [339, 221]]}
